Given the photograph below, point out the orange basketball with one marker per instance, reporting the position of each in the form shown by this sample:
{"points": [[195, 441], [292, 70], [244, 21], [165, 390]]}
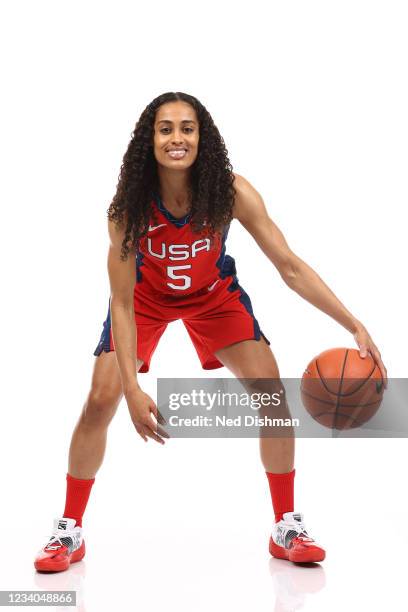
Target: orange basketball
{"points": [[342, 390]]}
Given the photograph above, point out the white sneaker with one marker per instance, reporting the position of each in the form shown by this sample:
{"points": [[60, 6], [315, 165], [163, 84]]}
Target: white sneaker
{"points": [[65, 546], [290, 540]]}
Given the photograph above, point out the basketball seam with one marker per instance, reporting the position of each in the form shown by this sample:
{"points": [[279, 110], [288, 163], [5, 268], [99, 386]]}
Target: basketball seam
{"points": [[322, 380], [322, 401], [362, 384], [340, 414], [339, 391], [348, 393]]}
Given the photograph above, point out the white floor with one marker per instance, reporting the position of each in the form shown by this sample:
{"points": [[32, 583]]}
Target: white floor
{"points": [[218, 570], [192, 534]]}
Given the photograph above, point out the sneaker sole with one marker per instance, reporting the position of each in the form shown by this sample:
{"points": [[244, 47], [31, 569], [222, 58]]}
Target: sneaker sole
{"points": [[48, 565], [311, 556]]}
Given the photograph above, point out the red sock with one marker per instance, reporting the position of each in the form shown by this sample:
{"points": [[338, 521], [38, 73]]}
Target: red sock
{"points": [[78, 491], [281, 487]]}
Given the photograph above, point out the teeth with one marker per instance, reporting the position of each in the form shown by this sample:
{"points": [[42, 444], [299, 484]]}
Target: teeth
{"points": [[177, 154]]}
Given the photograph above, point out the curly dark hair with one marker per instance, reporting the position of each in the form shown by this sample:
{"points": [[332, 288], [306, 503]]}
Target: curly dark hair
{"points": [[211, 189]]}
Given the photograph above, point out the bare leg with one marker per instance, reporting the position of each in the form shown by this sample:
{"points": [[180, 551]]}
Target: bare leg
{"points": [[88, 441], [254, 359]]}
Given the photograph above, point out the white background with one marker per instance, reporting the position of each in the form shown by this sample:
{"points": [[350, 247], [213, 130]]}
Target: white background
{"points": [[311, 100]]}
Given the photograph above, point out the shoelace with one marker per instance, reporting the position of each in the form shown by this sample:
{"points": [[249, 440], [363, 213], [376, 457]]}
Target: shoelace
{"points": [[301, 531], [57, 538]]}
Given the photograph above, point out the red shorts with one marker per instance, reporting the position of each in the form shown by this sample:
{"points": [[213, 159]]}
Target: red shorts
{"points": [[214, 318]]}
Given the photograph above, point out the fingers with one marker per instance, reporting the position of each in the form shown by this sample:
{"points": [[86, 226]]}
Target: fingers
{"points": [[376, 355], [153, 408], [146, 432], [151, 424], [149, 429], [146, 427], [151, 434], [362, 346], [140, 431], [366, 347], [156, 429], [384, 375], [160, 418], [363, 350], [162, 432], [157, 414], [146, 417]]}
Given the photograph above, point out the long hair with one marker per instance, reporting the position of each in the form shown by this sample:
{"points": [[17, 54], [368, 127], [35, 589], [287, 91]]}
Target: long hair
{"points": [[211, 187]]}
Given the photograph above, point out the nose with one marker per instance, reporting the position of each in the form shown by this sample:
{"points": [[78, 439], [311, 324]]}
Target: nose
{"points": [[177, 137]]}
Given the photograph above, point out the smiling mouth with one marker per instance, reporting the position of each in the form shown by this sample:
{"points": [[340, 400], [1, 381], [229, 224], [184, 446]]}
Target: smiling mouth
{"points": [[177, 153]]}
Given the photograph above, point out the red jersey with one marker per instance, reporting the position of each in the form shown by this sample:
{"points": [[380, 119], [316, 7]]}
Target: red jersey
{"points": [[173, 260], [174, 263]]}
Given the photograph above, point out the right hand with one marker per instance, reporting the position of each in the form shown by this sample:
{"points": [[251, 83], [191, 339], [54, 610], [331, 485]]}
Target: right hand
{"points": [[141, 406]]}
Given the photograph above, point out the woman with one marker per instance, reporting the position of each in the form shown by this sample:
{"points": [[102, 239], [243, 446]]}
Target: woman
{"points": [[175, 199]]}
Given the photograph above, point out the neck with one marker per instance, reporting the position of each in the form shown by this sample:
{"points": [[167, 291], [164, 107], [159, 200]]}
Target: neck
{"points": [[174, 187]]}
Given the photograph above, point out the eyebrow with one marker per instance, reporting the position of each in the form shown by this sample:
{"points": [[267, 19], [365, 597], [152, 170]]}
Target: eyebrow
{"points": [[184, 121]]}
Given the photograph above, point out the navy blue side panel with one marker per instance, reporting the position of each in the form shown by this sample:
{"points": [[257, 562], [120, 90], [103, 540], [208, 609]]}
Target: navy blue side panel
{"points": [[220, 263], [104, 342], [139, 263], [228, 269], [244, 299]]}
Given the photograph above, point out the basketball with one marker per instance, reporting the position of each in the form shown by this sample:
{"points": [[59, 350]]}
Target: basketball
{"points": [[342, 390]]}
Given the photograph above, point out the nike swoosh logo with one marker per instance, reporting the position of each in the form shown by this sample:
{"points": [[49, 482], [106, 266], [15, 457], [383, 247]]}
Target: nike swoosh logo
{"points": [[153, 227], [211, 287]]}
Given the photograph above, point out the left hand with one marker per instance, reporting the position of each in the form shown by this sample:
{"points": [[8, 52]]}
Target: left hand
{"points": [[366, 345]]}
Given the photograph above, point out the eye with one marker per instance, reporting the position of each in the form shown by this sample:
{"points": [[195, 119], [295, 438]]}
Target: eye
{"points": [[189, 129], [163, 130]]}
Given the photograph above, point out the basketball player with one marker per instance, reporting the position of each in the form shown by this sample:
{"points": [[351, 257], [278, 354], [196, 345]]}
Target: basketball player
{"points": [[175, 199]]}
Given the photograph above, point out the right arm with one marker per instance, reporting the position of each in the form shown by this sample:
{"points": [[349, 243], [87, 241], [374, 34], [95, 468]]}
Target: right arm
{"points": [[122, 278]]}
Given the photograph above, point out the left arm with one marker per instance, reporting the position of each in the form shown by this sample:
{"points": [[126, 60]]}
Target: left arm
{"points": [[250, 210]]}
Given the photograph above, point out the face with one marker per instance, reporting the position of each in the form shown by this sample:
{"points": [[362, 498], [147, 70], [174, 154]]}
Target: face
{"points": [[176, 135]]}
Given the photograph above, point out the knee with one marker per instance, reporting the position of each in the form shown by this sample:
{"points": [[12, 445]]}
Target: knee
{"points": [[258, 373], [267, 381], [100, 406]]}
